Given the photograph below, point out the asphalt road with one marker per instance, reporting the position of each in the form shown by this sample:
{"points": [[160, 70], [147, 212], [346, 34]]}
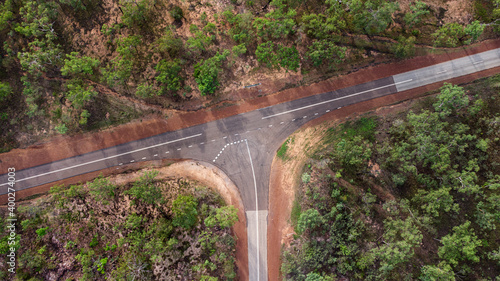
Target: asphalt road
{"points": [[244, 145]]}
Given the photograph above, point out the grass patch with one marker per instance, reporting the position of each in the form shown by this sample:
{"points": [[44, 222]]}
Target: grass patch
{"points": [[282, 151], [364, 127], [295, 214]]}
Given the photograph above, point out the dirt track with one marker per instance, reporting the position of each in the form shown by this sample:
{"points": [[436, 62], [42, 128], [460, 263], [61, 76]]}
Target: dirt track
{"points": [[63, 147]]}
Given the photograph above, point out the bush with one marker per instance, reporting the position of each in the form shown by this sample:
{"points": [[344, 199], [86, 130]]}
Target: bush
{"points": [[206, 73], [177, 13]]}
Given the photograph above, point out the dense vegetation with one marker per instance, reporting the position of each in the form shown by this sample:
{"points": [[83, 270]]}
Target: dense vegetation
{"points": [[144, 230], [410, 196], [76, 65]]}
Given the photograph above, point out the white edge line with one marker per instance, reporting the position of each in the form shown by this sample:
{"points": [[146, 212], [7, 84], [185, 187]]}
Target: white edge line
{"points": [[256, 210], [105, 158], [335, 99]]}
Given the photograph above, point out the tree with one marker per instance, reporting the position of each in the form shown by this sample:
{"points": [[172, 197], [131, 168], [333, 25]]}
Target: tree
{"points": [[146, 190], [169, 75], [102, 189], [288, 57], [169, 44], [441, 272], [474, 30], [354, 153], [309, 219], [372, 17], [400, 238], [185, 213], [265, 54], [127, 46], [435, 202], [405, 47], [79, 93], [177, 13], [5, 91], [84, 116], [325, 53], [450, 99], [77, 66], [61, 128], [417, 11], [448, 35], [276, 24], [460, 246], [200, 41], [206, 73], [319, 26], [145, 90], [6, 14], [239, 50], [224, 217], [314, 277], [136, 13]]}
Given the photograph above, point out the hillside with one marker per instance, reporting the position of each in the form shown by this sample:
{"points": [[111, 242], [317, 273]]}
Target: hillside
{"points": [[142, 228], [71, 66], [412, 194]]}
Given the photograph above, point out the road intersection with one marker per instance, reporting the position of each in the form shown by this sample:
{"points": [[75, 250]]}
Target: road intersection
{"points": [[244, 145]]}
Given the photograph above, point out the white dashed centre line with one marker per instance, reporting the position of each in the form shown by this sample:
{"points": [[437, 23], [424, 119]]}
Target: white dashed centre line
{"points": [[179, 148], [105, 158], [477, 62], [328, 110], [132, 161], [335, 99], [167, 152], [143, 158], [155, 155], [190, 146]]}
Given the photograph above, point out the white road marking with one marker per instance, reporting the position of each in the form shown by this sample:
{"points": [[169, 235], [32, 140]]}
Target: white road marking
{"points": [[190, 146], [335, 99], [213, 140], [167, 152], [293, 120], [256, 207], [315, 114], [155, 155], [143, 158], [477, 62], [270, 125], [120, 164], [281, 123], [202, 143], [179, 148], [339, 107], [223, 149], [304, 117], [225, 137], [441, 71], [106, 158], [328, 110], [235, 134], [132, 161]]}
